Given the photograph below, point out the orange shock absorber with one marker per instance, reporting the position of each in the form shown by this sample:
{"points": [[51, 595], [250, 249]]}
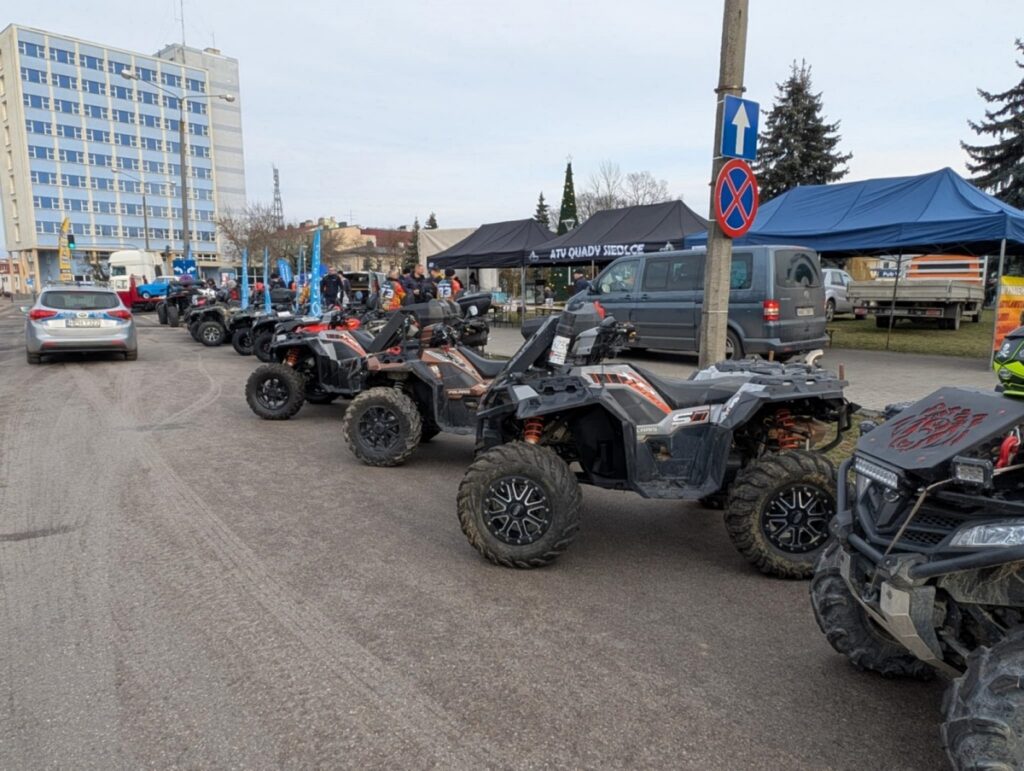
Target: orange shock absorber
{"points": [[532, 429], [785, 436], [292, 358]]}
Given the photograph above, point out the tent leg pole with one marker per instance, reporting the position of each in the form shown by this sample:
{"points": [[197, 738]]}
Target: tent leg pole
{"points": [[522, 286], [892, 306], [999, 296]]}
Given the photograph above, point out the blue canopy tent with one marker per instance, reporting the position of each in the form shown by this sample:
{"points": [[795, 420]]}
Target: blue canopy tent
{"points": [[938, 212]]}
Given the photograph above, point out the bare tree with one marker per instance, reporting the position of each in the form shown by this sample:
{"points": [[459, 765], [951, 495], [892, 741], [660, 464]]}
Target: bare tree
{"points": [[255, 228], [642, 188], [609, 188]]}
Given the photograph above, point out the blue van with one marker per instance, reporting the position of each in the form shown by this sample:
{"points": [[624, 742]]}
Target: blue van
{"points": [[776, 299]]}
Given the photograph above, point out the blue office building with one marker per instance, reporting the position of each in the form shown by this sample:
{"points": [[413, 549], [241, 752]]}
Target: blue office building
{"points": [[82, 141]]}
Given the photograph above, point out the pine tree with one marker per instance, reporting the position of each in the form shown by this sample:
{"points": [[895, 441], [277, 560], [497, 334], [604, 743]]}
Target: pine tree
{"points": [[999, 168], [797, 146], [542, 215], [567, 217], [431, 222], [412, 252]]}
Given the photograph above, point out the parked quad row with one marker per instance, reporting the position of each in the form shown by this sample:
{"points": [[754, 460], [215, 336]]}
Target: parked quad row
{"points": [[915, 557]]}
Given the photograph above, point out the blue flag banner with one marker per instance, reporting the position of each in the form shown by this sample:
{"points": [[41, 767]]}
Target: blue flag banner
{"points": [[315, 301], [266, 279], [302, 264], [245, 278], [284, 270]]}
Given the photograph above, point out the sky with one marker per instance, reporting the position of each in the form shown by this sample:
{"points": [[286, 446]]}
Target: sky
{"points": [[378, 112]]}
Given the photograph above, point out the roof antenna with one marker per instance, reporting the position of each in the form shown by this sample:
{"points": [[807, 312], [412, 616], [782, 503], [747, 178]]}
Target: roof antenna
{"points": [[181, 6]]}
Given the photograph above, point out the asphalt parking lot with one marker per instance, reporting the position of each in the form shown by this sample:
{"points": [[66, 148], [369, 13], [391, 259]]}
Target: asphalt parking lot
{"points": [[183, 584]]}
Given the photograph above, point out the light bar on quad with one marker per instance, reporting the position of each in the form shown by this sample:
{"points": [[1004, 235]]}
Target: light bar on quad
{"points": [[975, 472], [877, 473]]}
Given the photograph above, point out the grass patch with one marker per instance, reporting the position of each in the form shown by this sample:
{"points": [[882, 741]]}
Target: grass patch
{"points": [[971, 340]]}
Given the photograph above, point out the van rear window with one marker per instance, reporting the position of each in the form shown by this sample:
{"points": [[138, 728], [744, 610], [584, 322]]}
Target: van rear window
{"points": [[795, 269]]}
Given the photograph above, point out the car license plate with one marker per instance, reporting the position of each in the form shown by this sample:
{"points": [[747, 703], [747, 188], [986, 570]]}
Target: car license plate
{"points": [[559, 349], [82, 322], [805, 311]]}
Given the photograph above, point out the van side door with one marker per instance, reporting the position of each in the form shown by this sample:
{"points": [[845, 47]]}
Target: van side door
{"points": [[617, 287], [665, 313]]}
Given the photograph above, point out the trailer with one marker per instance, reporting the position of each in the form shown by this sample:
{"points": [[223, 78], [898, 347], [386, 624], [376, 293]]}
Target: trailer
{"points": [[944, 301]]}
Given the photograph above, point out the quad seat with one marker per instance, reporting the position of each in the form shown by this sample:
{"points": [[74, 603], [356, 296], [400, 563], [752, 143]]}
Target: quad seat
{"points": [[682, 394], [489, 368]]}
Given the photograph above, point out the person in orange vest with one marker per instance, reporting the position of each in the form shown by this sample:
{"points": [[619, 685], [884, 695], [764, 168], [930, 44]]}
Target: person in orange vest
{"points": [[392, 293]]}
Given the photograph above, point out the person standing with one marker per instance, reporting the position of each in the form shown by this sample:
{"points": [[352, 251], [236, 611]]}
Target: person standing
{"points": [[331, 288], [449, 274], [392, 293], [579, 281]]}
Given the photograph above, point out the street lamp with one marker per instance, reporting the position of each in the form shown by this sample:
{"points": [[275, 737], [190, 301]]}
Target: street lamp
{"points": [[180, 99], [145, 208]]}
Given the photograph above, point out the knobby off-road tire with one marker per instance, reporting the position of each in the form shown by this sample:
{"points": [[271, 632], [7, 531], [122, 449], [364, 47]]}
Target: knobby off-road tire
{"points": [[161, 312], [211, 333], [984, 708], [241, 341], [275, 391], [779, 510], [851, 631], [519, 505], [315, 395], [382, 427], [261, 346], [173, 315]]}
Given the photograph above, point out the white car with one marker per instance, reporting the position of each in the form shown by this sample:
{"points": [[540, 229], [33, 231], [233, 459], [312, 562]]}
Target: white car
{"points": [[837, 298]]}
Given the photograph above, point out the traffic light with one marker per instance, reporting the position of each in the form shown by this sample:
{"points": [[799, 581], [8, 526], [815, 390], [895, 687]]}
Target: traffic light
{"points": [[71, 240]]}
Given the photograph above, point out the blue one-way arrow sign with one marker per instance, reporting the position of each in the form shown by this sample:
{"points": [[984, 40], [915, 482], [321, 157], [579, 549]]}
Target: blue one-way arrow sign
{"points": [[739, 128]]}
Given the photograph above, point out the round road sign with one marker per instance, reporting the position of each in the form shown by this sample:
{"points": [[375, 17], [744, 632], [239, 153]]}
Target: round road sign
{"points": [[735, 198]]}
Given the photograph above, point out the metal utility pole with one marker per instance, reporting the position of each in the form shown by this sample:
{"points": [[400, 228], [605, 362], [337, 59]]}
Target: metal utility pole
{"points": [[183, 159], [715, 311]]}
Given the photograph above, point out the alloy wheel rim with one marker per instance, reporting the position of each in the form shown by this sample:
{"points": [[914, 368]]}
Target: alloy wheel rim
{"points": [[379, 428], [516, 510], [211, 334], [273, 393], [796, 518]]}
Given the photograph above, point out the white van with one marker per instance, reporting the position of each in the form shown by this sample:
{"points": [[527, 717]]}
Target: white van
{"points": [[145, 266]]}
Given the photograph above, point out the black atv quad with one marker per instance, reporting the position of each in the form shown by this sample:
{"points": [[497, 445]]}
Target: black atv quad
{"points": [[208, 322], [744, 431], [926, 571], [427, 382], [179, 298]]}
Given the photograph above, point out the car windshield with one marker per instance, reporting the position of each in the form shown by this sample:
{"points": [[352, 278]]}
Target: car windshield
{"points": [[79, 301], [796, 269]]}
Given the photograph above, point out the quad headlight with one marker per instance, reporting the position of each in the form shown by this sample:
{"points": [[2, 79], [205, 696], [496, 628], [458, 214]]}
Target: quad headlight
{"points": [[992, 534]]}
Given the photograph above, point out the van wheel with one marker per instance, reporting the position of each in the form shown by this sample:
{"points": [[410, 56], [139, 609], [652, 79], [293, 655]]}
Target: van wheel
{"points": [[733, 346]]}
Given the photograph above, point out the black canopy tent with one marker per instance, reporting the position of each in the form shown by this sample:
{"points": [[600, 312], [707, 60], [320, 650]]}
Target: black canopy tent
{"points": [[495, 245], [614, 232]]}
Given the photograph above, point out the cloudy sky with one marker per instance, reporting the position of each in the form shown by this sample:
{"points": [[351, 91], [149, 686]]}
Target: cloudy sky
{"points": [[383, 110]]}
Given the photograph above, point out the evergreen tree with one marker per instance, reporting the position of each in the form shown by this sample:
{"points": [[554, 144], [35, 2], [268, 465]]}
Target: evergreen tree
{"points": [[431, 222], [412, 253], [797, 146], [999, 168], [542, 215], [567, 217]]}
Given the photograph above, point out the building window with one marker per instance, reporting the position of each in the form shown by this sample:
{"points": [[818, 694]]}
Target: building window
{"points": [[91, 62], [117, 67], [198, 129], [128, 186], [105, 207], [69, 132], [62, 55], [199, 108], [198, 86], [94, 87], [172, 147], [126, 140], [42, 153], [64, 81], [154, 167], [123, 116], [73, 180], [31, 49], [66, 106], [151, 143], [98, 159], [43, 178], [34, 100], [30, 75], [102, 183], [199, 152], [148, 97], [98, 135], [146, 74], [121, 92], [174, 81], [95, 111], [149, 120], [130, 164], [72, 156]]}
